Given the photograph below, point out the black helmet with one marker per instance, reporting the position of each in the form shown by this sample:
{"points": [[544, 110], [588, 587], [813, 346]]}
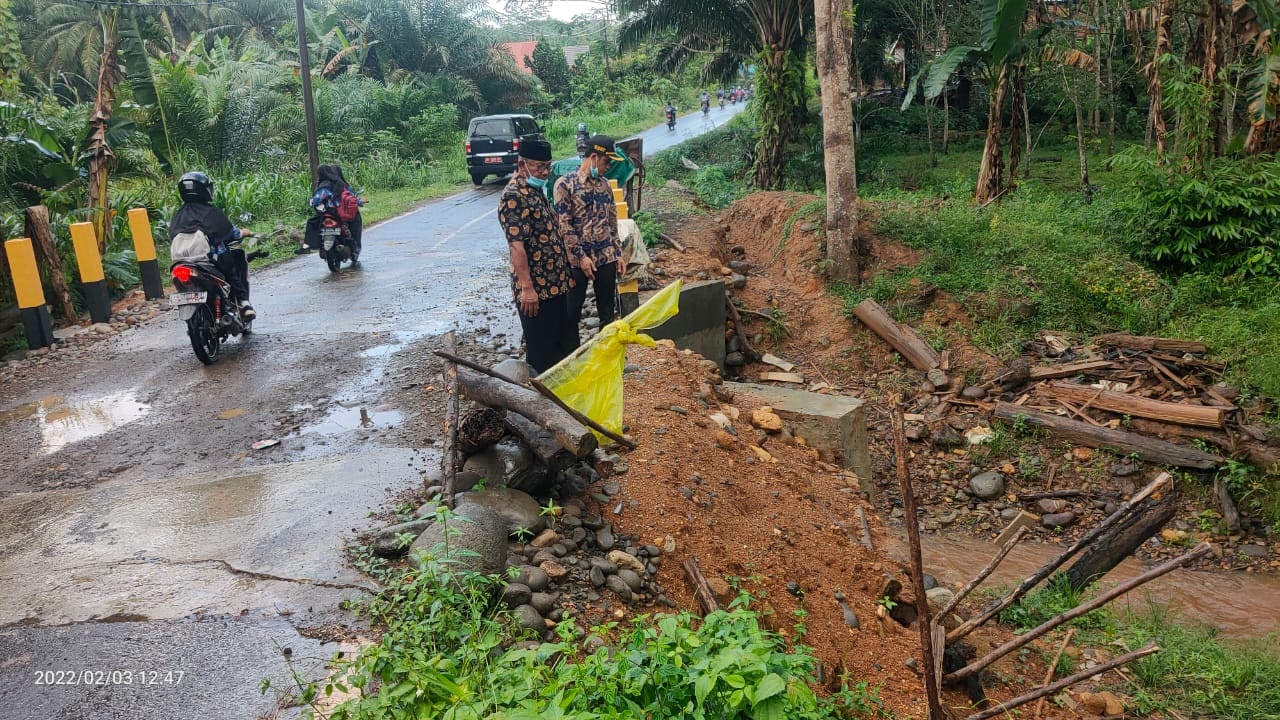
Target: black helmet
{"points": [[195, 187], [582, 127]]}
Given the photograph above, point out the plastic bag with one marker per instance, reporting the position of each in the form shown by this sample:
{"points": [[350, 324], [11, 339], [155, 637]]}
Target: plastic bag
{"points": [[590, 380]]}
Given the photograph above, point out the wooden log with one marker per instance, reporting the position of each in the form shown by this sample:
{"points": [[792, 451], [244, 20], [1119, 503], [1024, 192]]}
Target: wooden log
{"points": [[1047, 372], [1048, 494], [701, 589], [449, 458], [1124, 443], [900, 337], [671, 241], [41, 234], [1150, 344], [1053, 667], [1226, 506], [933, 691], [479, 428], [542, 443], [739, 330], [980, 664], [1047, 690], [601, 461], [984, 573], [1221, 438], [568, 432], [1182, 414], [1025, 586], [1120, 541]]}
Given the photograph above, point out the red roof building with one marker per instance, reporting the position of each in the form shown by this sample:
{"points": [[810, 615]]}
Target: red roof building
{"points": [[519, 51]]}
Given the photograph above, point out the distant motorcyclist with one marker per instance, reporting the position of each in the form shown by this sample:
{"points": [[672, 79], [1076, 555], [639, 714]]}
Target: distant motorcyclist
{"points": [[670, 111], [582, 136], [198, 215], [706, 102], [335, 196]]}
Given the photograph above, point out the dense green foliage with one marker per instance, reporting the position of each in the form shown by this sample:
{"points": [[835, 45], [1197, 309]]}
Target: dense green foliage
{"points": [[449, 652]]}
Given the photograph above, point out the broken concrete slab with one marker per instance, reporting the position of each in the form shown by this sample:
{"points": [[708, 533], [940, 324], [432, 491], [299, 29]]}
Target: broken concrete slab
{"points": [[1024, 519], [699, 326], [834, 425]]}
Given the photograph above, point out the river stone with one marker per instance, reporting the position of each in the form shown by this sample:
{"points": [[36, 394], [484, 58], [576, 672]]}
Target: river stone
{"points": [[515, 595], [518, 508], [1054, 520], [534, 578], [387, 544], [619, 587], [1050, 506], [938, 378], [973, 393], [604, 538], [603, 565], [938, 598], [477, 539], [596, 577], [625, 560], [988, 485], [543, 602], [1008, 514], [509, 463], [513, 369], [531, 619], [632, 580]]}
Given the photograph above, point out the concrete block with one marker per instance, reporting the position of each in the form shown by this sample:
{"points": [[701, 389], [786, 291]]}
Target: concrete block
{"points": [[834, 425], [699, 326]]}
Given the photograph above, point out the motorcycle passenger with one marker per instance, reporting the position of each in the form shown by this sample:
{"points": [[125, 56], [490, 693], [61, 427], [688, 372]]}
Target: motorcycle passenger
{"points": [[334, 196], [198, 215], [706, 102]]}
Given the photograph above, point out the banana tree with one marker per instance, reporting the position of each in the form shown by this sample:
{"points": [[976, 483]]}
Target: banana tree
{"points": [[1263, 28], [1003, 42]]}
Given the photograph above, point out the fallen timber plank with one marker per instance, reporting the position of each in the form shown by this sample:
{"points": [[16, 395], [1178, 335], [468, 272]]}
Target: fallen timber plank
{"points": [[1123, 442], [1048, 372], [1150, 344], [902, 338], [1117, 402]]}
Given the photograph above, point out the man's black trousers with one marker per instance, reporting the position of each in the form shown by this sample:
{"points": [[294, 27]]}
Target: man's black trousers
{"points": [[550, 335], [606, 285]]}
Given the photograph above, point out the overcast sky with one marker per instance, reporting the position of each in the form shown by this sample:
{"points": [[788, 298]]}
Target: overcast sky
{"points": [[560, 9]]}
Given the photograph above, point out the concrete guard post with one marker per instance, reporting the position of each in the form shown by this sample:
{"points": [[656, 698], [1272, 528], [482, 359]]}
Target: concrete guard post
{"points": [[26, 284], [92, 279], [144, 246]]}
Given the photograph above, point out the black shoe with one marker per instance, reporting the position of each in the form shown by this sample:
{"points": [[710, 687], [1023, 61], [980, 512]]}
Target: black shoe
{"points": [[246, 311]]}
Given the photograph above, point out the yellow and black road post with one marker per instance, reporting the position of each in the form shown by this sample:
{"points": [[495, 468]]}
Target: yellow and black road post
{"points": [[26, 284], [144, 246], [92, 280]]}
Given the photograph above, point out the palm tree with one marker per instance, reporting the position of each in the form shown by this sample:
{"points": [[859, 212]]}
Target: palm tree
{"points": [[769, 33]]}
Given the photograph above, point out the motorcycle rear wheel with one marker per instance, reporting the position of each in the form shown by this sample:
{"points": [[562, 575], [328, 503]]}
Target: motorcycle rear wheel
{"points": [[204, 336], [333, 260]]}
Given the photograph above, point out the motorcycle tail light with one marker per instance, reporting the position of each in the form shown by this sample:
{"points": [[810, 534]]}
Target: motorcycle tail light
{"points": [[182, 274]]}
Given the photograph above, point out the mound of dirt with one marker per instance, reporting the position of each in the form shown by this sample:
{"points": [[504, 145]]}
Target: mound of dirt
{"points": [[759, 506]]}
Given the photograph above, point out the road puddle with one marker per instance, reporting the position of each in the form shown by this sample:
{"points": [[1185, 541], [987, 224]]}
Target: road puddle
{"points": [[62, 421], [1243, 606], [342, 419]]}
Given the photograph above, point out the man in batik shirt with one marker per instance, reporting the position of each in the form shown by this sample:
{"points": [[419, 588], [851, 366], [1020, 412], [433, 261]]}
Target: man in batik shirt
{"points": [[540, 276], [588, 221]]}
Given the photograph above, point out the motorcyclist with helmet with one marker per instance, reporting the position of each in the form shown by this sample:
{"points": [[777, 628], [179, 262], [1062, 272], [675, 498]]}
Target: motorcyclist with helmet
{"points": [[198, 214], [582, 139]]}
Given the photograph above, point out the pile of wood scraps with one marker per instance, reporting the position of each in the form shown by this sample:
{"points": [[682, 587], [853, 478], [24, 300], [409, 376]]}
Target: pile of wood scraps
{"points": [[1148, 396]]}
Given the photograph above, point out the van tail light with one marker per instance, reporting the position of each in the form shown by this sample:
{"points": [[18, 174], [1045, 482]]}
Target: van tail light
{"points": [[468, 147], [515, 145]]}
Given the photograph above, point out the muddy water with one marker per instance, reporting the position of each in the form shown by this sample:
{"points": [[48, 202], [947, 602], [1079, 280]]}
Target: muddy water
{"points": [[62, 421], [1243, 606]]}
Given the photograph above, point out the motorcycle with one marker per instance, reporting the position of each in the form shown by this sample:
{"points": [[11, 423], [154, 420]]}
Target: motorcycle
{"points": [[671, 120], [706, 107], [721, 103], [582, 137], [335, 243], [208, 307]]}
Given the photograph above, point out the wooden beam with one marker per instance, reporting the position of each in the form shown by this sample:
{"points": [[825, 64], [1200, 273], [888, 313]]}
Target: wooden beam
{"points": [[900, 337], [1159, 451], [1150, 344], [1047, 372], [1117, 402]]}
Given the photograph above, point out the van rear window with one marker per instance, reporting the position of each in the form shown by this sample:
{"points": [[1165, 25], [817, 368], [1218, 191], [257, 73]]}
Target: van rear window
{"points": [[492, 128]]}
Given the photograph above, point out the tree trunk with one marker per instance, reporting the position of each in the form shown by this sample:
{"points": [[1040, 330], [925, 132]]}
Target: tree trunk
{"points": [[928, 128], [1164, 29], [946, 121], [832, 21], [101, 158], [1212, 67], [1120, 541], [1018, 131], [991, 172], [568, 432], [1111, 90], [1084, 159], [1264, 138], [41, 234], [777, 111]]}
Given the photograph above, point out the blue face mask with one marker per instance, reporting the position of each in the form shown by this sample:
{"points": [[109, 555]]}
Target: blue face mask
{"points": [[537, 181], [595, 171]]}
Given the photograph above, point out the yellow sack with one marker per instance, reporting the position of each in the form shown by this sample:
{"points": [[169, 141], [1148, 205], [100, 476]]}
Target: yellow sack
{"points": [[590, 380]]}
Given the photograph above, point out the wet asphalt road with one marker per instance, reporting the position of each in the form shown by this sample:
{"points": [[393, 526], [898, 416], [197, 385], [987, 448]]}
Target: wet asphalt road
{"points": [[153, 564]]}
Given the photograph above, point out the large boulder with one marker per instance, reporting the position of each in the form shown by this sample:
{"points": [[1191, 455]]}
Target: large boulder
{"points": [[508, 463], [477, 540], [518, 508]]}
